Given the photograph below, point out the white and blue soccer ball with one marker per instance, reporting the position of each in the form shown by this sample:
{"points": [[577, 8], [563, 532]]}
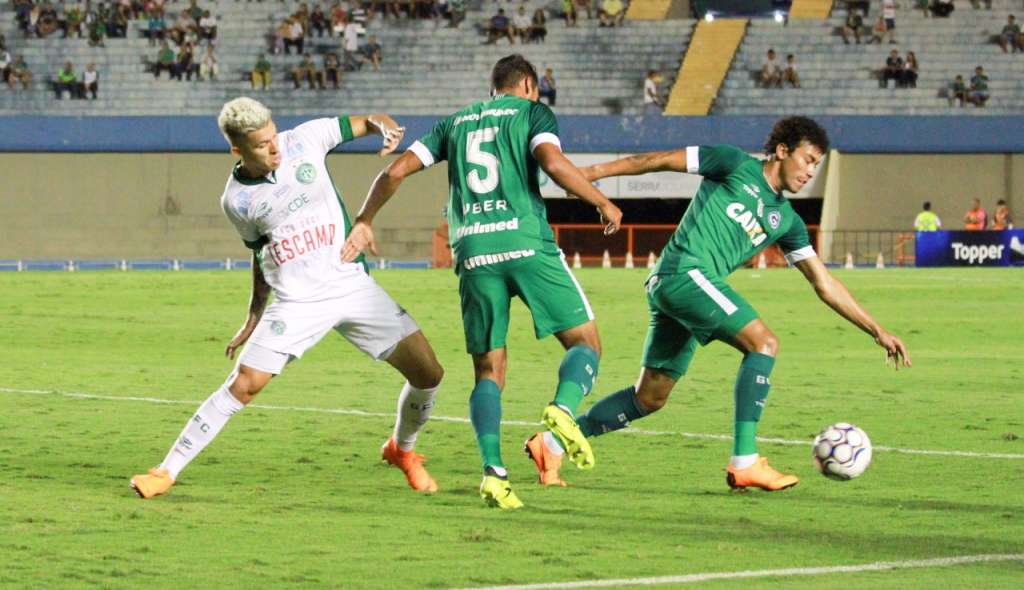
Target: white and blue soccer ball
{"points": [[842, 451]]}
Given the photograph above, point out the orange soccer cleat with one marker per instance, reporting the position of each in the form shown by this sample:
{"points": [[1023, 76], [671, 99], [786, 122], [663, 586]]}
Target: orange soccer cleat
{"points": [[759, 475], [547, 462], [411, 464], [156, 482]]}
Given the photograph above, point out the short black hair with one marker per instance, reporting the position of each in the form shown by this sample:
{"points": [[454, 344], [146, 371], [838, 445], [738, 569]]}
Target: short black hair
{"points": [[927, 205], [1001, 202], [791, 131], [510, 70]]}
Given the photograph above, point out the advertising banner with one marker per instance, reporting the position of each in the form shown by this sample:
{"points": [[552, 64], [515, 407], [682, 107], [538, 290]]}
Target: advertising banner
{"points": [[970, 248]]}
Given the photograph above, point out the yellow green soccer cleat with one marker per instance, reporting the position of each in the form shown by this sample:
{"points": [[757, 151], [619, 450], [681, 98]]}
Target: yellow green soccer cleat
{"points": [[497, 493], [564, 426]]}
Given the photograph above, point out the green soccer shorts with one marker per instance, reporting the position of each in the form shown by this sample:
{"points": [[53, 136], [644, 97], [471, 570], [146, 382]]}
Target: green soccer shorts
{"points": [[542, 281], [688, 308]]}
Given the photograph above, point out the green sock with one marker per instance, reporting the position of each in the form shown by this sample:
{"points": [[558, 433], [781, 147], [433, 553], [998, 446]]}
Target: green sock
{"points": [[752, 385], [576, 376], [485, 414], [613, 412]]}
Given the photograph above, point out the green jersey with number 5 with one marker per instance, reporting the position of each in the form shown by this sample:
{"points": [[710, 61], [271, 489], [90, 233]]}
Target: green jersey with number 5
{"points": [[495, 211]]}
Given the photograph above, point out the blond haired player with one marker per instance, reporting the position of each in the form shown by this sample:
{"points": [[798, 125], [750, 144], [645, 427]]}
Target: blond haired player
{"points": [[281, 199]]}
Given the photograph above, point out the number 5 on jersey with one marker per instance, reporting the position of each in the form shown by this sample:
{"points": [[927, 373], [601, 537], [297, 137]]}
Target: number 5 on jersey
{"points": [[475, 155]]}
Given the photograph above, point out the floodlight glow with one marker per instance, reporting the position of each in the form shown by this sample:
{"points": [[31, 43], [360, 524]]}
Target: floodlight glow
{"points": [[709, 17], [779, 18]]}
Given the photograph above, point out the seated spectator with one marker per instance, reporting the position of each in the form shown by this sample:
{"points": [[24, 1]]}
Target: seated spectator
{"points": [[318, 21], [861, 6], [332, 69], [942, 8], [789, 74], [569, 12], [853, 25], [339, 18], [195, 12], [1010, 37], [294, 36], [456, 12], [117, 24], [585, 6], [977, 4], [893, 69], [878, 31], [352, 44], [186, 63], [45, 19], [66, 80], [164, 61], [611, 14], [157, 26], [71, 22], [209, 68], [889, 8], [538, 26], [771, 73], [498, 27], [653, 103], [547, 86], [303, 17], [370, 52], [183, 25], [957, 91], [306, 70], [6, 64], [207, 26], [975, 219], [978, 94], [521, 24], [909, 79], [96, 25], [90, 82], [22, 12], [20, 73], [261, 73], [1001, 216]]}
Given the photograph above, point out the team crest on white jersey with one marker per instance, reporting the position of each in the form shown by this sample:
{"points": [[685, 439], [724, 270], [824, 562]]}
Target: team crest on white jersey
{"points": [[278, 327], [305, 173]]}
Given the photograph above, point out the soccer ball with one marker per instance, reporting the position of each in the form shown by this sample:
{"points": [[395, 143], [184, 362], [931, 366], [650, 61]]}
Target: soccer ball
{"points": [[842, 451]]}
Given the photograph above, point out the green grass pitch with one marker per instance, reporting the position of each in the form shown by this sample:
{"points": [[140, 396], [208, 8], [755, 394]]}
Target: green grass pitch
{"points": [[297, 498]]}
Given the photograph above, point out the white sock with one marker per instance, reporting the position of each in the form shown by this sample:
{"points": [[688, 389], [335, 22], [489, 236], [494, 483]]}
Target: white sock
{"points": [[552, 444], [202, 428], [743, 461], [414, 407]]}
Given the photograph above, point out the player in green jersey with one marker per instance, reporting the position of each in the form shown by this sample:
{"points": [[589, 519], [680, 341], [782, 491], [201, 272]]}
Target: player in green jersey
{"points": [[503, 247], [739, 210]]}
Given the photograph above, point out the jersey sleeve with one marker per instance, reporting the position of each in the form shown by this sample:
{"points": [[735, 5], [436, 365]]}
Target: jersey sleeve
{"points": [[543, 126], [714, 161], [795, 243], [246, 229], [432, 147], [325, 134]]}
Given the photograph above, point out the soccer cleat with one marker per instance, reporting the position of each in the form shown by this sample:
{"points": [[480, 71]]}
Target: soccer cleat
{"points": [[156, 482], [497, 492], [547, 462], [564, 426], [411, 464], [759, 475]]}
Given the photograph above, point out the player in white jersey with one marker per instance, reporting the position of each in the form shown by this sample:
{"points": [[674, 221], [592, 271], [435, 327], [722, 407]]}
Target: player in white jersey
{"points": [[281, 199]]}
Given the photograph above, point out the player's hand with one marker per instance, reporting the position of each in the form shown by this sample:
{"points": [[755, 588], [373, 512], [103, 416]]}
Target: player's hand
{"points": [[240, 338], [895, 351], [359, 239], [611, 217], [390, 131]]}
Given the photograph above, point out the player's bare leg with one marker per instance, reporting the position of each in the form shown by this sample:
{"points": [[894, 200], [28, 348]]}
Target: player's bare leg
{"points": [[485, 414], [416, 361]]}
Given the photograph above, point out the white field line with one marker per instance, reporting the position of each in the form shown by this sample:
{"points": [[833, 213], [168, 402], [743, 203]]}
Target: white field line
{"points": [[639, 431], [878, 566]]}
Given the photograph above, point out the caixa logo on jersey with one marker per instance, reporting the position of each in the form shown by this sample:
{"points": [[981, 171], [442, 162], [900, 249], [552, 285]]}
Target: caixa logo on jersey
{"points": [[970, 248]]}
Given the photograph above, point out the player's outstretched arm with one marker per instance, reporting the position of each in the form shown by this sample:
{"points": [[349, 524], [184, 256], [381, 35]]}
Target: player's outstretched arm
{"points": [[257, 303], [672, 161], [379, 124], [360, 237], [835, 294], [568, 176]]}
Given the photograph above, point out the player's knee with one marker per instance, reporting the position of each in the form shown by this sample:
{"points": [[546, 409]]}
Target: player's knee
{"points": [[652, 401], [245, 387], [769, 344], [429, 377]]}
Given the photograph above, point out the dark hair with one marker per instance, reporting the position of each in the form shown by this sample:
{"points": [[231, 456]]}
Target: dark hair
{"points": [[927, 205], [510, 70], [791, 131], [1001, 202]]}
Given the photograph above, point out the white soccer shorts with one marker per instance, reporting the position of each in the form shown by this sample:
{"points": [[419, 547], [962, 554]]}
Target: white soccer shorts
{"points": [[366, 316]]}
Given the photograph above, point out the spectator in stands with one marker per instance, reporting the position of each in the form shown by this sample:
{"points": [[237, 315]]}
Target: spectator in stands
{"points": [[66, 80], [352, 44], [195, 12], [889, 13], [612, 12], [1001, 216], [653, 103], [306, 70], [521, 24], [156, 26], [978, 94], [909, 79], [71, 22], [319, 22], [789, 74], [302, 16], [209, 68], [893, 69], [117, 24], [456, 12], [6, 64], [332, 69], [207, 26], [260, 73], [183, 24], [877, 31], [957, 91], [1010, 38], [538, 26], [861, 6], [96, 24], [977, 4], [339, 18], [370, 52], [975, 218], [569, 12], [853, 25], [293, 36], [186, 63], [44, 19], [547, 86], [585, 6], [90, 82], [22, 12], [164, 61], [498, 27], [926, 220], [942, 8], [20, 73], [771, 72]]}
